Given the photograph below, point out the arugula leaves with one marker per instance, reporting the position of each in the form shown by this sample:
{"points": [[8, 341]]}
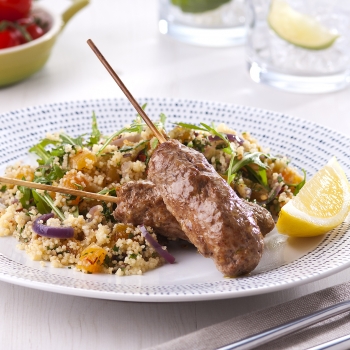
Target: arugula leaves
{"points": [[26, 196], [235, 165], [44, 204], [136, 126], [95, 134]]}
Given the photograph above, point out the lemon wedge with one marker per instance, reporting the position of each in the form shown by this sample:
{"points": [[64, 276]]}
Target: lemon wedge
{"points": [[321, 205], [299, 29]]}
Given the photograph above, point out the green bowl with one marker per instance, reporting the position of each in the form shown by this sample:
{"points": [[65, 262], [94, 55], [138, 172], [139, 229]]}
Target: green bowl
{"points": [[20, 62]]}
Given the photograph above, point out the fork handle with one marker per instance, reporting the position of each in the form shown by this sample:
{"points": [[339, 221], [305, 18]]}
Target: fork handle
{"points": [[287, 328]]}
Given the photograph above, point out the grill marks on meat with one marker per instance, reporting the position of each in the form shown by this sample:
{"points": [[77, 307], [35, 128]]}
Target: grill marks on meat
{"points": [[140, 204], [209, 212]]}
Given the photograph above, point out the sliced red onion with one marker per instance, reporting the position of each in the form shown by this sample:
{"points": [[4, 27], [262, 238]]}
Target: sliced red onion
{"points": [[164, 253], [132, 138], [126, 155], [94, 210], [50, 231], [231, 138]]}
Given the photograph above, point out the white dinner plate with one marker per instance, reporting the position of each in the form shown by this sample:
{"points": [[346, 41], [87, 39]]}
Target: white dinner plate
{"points": [[287, 262]]}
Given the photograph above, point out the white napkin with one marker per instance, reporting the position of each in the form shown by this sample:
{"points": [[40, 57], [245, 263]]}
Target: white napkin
{"points": [[240, 327]]}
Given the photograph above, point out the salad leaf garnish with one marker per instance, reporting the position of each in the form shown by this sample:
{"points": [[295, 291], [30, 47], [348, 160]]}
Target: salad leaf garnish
{"points": [[111, 191], [44, 202], [136, 126], [66, 139], [190, 126], [260, 176], [50, 174], [163, 118], [95, 134], [298, 186], [40, 203], [26, 195]]}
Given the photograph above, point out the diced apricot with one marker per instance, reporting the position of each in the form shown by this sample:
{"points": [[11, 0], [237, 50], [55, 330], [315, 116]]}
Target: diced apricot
{"points": [[121, 231], [92, 259], [27, 175], [112, 174], [73, 179], [291, 177], [83, 159]]}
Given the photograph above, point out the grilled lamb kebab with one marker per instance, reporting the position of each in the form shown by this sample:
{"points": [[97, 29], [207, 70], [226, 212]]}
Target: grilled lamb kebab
{"points": [[206, 207], [140, 203]]}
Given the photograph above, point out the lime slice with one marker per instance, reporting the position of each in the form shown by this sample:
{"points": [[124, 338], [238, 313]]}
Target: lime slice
{"points": [[198, 6], [299, 29]]}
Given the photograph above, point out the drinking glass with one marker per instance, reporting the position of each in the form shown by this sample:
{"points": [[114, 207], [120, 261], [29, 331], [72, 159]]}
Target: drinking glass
{"points": [[300, 45], [204, 22]]}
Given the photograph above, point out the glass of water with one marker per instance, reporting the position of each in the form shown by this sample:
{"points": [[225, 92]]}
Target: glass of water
{"points": [[299, 45], [212, 23]]}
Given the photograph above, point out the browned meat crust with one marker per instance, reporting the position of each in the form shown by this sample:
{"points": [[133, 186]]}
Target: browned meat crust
{"points": [[262, 217], [140, 204], [208, 210]]}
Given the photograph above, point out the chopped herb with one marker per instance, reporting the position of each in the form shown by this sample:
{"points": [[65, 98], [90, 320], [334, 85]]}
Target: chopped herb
{"points": [[126, 149], [133, 256], [115, 248], [78, 186], [3, 188], [108, 212], [131, 236], [107, 261]]}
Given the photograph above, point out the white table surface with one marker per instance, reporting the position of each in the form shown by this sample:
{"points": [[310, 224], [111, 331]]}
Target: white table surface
{"points": [[156, 66]]}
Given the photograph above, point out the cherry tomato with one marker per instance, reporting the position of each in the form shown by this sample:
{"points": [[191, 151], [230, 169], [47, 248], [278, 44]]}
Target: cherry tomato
{"points": [[34, 31], [8, 38], [12, 10]]}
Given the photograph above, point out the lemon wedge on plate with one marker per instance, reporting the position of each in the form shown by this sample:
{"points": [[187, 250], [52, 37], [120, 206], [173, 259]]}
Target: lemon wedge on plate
{"points": [[321, 205], [299, 29]]}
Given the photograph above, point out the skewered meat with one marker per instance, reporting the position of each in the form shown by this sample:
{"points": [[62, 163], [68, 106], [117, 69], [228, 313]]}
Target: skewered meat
{"points": [[139, 203], [207, 209], [262, 217]]}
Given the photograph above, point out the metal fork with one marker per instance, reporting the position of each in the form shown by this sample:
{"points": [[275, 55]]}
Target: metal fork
{"points": [[288, 328]]}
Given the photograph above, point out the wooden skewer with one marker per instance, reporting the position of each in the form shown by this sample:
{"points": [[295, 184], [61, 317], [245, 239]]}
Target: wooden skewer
{"points": [[70, 191], [127, 93], [79, 193]]}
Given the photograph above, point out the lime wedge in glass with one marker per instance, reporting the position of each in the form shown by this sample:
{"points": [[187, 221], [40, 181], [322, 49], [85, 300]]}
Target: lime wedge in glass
{"points": [[298, 28], [198, 6]]}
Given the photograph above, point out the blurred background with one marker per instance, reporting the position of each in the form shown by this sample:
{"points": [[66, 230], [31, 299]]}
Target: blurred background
{"points": [[152, 64]]}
